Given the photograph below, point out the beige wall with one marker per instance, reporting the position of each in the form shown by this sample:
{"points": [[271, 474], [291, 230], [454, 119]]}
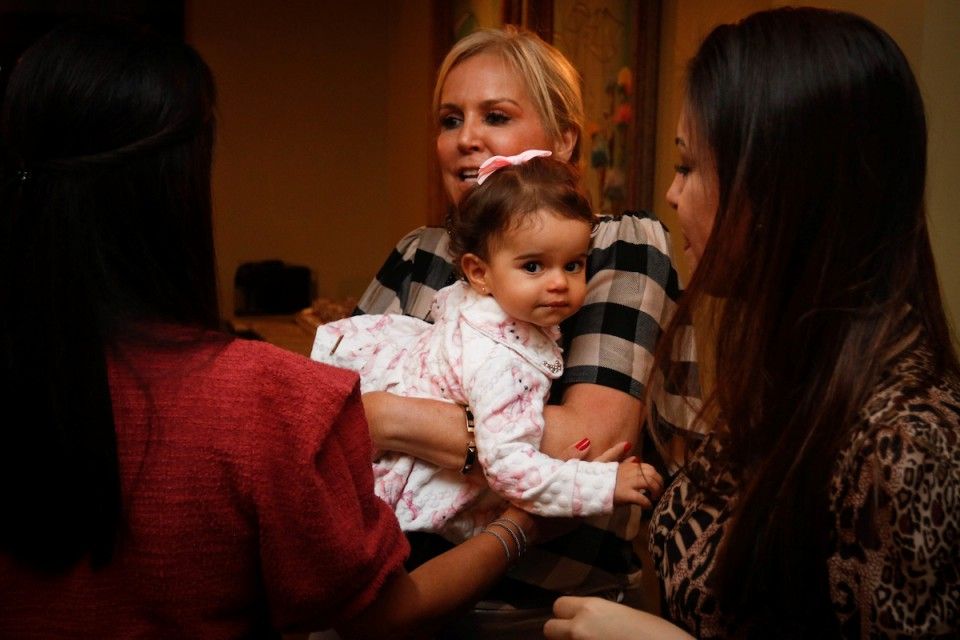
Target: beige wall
{"points": [[940, 83], [322, 105], [928, 31]]}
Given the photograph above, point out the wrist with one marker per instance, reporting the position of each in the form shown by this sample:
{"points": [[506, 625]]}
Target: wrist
{"points": [[523, 520]]}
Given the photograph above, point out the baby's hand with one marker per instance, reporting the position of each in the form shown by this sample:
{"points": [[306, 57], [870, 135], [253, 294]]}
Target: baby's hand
{"points": [[637, 483]]}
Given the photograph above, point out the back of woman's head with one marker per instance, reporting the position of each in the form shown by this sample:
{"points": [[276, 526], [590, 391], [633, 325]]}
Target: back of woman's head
{"points": [[511, 195], [818, 266], [107, 133], [110, 129], [552, 82]]}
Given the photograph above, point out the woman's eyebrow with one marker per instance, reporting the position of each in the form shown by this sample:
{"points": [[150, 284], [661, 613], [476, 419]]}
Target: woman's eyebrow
{"points": [[492, 101]]}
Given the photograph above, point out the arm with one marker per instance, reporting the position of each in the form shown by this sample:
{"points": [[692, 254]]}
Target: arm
{"points": [[507, 393], [430, 429], [595, 618], [412, 601], [606, 415]]}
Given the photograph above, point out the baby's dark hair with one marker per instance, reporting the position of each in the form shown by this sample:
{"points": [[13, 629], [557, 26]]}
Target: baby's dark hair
{"points": [[508, 197]]}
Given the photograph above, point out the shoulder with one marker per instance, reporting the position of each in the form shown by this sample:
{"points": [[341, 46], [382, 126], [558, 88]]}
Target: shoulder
{"points": [[904, 455], [895, 496], [632, 248], [271, 366], [417, 267], [911, 414], [909, 430], [633, 227], [246, 402], [432, 240], [275, 394]]}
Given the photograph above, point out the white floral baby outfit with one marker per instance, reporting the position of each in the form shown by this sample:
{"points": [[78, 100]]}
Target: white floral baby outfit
{"points": [[475, 355]]}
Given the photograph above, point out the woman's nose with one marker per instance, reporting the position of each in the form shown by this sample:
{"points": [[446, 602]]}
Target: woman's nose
{"points": [[468, 138], [673, 193]]}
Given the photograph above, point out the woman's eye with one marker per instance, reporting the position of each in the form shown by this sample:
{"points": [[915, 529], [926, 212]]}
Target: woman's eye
{"points": [[450, 121], [531, 267], [497, 117], [681, 169], [574, 267]]}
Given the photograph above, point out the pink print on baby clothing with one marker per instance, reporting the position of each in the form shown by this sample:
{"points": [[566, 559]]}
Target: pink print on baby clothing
{"points": [[473, 355]]}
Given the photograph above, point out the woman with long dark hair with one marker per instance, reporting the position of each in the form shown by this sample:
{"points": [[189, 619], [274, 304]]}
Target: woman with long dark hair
{"points": [[826, 501], [160, 478]]}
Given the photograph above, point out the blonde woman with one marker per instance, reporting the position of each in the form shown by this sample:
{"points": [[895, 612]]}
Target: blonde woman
{"points": [[499, 92]]}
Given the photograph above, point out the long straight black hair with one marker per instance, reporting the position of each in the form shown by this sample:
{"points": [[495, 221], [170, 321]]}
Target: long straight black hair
{"points": [[107, 135], [818, 265]]}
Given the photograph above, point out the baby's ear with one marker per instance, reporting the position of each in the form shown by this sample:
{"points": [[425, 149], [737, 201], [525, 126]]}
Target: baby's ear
{"points": [[475, 271]]}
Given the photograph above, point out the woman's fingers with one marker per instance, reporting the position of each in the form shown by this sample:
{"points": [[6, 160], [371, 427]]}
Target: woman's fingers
{"points": [[567, 606], [560, 627]]}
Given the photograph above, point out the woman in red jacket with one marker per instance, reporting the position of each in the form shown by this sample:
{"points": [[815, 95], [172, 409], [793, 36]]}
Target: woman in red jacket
{"points": [[158, 477]]}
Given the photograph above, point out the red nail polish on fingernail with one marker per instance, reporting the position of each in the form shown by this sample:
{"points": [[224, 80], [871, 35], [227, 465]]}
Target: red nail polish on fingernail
{"points": [[582, 445], [627, 446]]}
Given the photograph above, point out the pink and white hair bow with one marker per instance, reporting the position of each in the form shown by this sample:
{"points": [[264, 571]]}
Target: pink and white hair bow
{"points": [[491, 164]]}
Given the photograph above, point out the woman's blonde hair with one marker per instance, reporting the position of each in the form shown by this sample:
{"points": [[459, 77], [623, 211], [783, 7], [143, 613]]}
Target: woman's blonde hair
{"points": [[552, 82]]}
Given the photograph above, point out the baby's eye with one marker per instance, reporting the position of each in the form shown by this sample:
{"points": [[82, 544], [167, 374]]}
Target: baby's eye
{"points": [[531, 267], [574, 267], [450, 121], [497, 118], [682, 169]]}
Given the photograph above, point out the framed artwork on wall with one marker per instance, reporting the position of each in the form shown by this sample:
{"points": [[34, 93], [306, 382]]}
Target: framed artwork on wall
{"points": [[614, 45]]}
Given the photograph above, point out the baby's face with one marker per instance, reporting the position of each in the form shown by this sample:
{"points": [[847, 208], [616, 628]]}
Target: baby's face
{"points": [[537, 271]]}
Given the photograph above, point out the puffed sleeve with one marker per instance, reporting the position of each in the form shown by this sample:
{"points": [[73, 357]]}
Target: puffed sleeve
{"points": [[632, 289], [895, 570], [415, 270]]}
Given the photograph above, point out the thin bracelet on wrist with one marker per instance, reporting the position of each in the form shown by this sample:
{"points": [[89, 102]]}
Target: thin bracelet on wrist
{"points": [[516, 538], [503, 543], [471, 455], [519, 535]]}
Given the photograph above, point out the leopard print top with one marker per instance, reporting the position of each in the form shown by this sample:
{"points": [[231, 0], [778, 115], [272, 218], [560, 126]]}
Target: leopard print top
{"points": [[895, 500]]}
